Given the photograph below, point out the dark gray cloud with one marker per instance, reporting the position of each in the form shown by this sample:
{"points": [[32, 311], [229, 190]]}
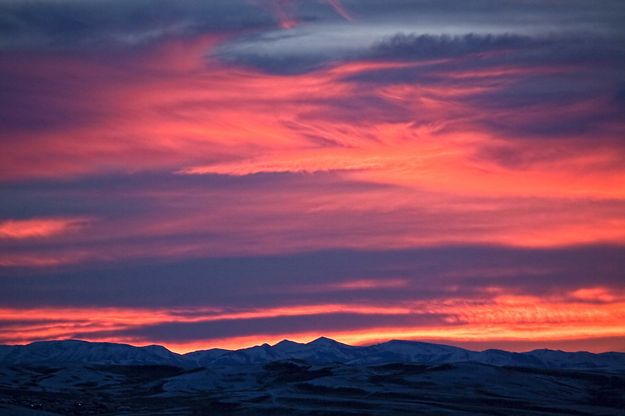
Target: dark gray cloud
{"points": [[70, 24], [417, 30], [512, 157], [282, 280], [323, 35], [519, 81], [548, 72], [425, 46], [122, 194]]}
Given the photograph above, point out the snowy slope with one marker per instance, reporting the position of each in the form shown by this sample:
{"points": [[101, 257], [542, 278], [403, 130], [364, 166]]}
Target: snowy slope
{"points": [[411, 351], [582, 359], [203, 358]]}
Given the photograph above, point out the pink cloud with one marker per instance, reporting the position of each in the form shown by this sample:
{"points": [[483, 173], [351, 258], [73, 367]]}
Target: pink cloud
{"points": [[39, 227]]}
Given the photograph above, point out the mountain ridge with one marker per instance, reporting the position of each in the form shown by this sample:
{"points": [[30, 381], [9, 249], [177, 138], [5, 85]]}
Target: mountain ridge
{"points": [[323, 350]]}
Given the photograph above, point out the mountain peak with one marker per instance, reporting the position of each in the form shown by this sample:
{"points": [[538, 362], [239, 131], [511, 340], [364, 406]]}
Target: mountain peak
{"points": [[286, 342], [324, 341]]}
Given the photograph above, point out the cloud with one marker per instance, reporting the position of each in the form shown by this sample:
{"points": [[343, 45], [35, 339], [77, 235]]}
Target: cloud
{"points": [[67, 24], [112, 23], [267, 326], [308, 165], [274, 280], [161, 216], [491, 316], [18, 229], [594, 294], [419, 153], [408, 47], [340, 9]]}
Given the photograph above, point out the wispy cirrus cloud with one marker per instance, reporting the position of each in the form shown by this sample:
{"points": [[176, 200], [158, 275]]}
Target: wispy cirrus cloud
{"points": [[484, 319]]}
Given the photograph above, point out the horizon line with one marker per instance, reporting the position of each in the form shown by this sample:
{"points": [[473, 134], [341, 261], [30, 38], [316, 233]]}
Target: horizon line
{"points": [[300, 343]]}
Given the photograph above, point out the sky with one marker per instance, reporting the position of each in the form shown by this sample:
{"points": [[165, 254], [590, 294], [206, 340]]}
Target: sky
{"points": [[226, 173]]}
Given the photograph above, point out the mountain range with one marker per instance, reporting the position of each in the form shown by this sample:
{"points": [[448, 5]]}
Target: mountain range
{"points": [[320, 351], [321, 378]]}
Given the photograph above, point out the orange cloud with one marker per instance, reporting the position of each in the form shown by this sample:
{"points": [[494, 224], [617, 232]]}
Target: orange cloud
{"points": [[194, 106], [594, 294], [359, 284], [486, 319], [39, 227], [175, 107]]}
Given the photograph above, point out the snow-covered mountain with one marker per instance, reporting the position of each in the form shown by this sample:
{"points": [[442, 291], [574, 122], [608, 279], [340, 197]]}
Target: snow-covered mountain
{"points": [[325, 351], [318, 352], [320, 377], [82, 352]]}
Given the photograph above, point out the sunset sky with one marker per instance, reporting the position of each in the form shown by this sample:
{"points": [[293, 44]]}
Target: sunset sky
{"points": [[223, 173]]}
